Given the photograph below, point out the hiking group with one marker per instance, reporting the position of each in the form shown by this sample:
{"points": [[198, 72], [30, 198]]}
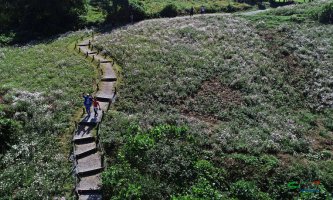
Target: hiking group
{"points": [[90, 101], [202, 10]]}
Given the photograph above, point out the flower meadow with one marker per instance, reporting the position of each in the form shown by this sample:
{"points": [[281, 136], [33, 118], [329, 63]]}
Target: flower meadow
{"points": [[40, 87], [220, 107]]}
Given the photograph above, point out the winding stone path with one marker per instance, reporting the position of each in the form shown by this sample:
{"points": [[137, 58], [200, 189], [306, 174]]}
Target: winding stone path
{"points": [[87, 156]]}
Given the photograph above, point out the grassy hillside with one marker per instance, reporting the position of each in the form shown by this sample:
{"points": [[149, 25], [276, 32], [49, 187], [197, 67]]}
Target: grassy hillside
{"points": [[221, 107], [40, 84], [153, 8]]}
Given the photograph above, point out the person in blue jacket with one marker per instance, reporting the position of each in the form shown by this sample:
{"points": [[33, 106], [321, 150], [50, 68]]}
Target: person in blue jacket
{"points": [[87, 102]]}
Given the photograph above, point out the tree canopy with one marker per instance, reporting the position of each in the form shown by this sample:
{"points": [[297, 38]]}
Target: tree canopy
{"points": [[39, 17]]}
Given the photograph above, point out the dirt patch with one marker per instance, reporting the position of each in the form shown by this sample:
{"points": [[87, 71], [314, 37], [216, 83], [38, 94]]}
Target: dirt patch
{"points": [[210, 101], [1, 100], [224, 94], [285, 159], [276, 45], [209, 120], [319, 143]]}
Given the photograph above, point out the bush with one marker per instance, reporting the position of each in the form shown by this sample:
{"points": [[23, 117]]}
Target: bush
{"points": [[248, 190], [203, 189], [123, 177], [230, 8], [138, 11], [325, 15], [169, 11], [8, 133]]}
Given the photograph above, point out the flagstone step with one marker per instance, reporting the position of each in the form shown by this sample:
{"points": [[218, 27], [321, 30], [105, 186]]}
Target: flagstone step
{"points": [[90, 172], [104, 105], [92, 120], [86, 138], [108, 72], [83, 133], [83, 148], [89, 162], [106, 91], [105, 61], [89, 183], [91, 196]]}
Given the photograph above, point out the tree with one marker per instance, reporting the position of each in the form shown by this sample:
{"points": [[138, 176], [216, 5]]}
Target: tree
{"points": [[119, 12], [39, 17], [122, 10]]}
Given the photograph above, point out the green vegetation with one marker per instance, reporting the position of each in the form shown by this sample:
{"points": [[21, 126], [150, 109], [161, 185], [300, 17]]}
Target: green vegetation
{"points": [[35, 18], [298, 1], [94, 15], [325, 14], [120, 10], [305, 13], [39, 95], [221, 107], [154, 8], [23, 20], [209, 107]]}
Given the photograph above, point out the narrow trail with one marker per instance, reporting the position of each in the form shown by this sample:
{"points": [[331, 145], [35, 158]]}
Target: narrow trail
{"points": [[88, 158]]}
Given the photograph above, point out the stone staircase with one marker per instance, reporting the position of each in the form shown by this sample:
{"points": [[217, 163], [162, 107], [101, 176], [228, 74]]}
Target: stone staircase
{"points": [[88, 159]]}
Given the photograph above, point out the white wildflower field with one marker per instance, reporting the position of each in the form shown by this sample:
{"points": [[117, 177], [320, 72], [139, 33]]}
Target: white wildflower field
{"points": [[40, 87], [253, 93]]}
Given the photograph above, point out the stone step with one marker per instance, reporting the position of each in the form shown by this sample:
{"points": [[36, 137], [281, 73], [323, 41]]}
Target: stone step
{"points": [[83, 149], [104, 106], [108, 73], [106, 91], [105, 61], [90, 172], [83, 133], [91, 196], [89, 163], [89, 183], [87, 138], [92, 120], [108, 79], [86, 153]]}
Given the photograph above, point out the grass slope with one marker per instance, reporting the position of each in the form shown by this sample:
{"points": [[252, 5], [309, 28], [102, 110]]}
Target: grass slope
{"points": [[220, 107], [40, 88], [154, 7]]}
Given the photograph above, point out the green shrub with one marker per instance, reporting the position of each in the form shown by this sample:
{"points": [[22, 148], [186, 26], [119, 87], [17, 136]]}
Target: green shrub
{"points": [[120, 182], [325, 15], [248, 190], [169, 11], [138, 10], [9, 129], [215, 175], [202, 189], [230, 8]]}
